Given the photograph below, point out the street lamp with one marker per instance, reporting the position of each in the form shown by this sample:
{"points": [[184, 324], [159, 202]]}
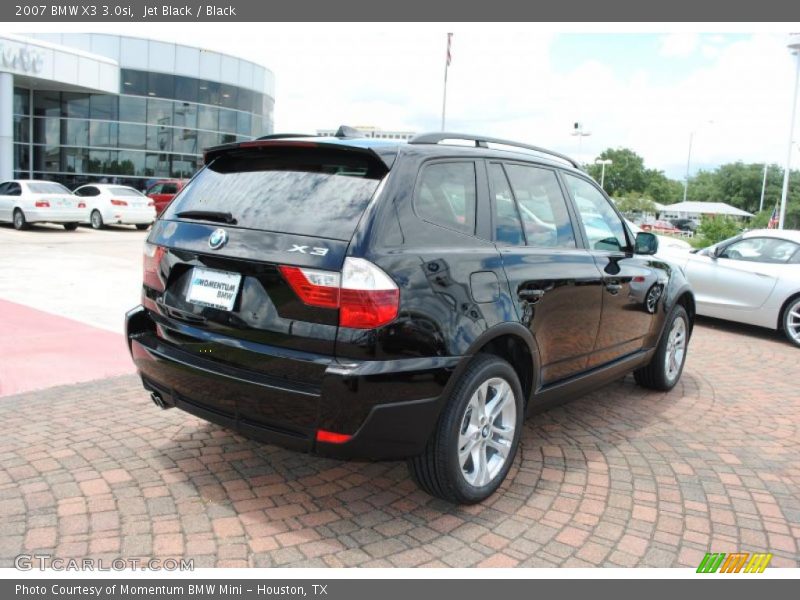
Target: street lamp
{"points": [[794, 48], [689, 158], [578, 130], [603, 162]]}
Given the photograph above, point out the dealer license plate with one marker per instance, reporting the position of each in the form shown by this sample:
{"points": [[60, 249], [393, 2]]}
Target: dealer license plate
{"points": [[213, 288]]}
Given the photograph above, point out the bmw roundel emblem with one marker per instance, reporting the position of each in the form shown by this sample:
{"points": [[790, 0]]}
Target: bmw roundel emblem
{"points": [[217, 239]]}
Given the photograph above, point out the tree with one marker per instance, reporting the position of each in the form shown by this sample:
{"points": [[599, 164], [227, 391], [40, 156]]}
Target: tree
{"points": [[716, 229], [626, 174], [635, 204]]}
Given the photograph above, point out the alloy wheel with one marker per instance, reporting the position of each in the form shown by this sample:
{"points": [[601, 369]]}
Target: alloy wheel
{"points": [[486, 436], [676, 349]]}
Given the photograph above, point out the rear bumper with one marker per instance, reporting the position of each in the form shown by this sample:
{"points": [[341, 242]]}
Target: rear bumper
{"points": [[389, 408], [56, 215], [129, 216]]}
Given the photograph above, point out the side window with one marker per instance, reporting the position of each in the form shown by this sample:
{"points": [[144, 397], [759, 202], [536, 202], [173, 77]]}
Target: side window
{"points": [[603, 226], [763, 250], [169, 188], [507, 226], [542, 207], [4, 189], [446, 195], [156, 189], [14, 189]]}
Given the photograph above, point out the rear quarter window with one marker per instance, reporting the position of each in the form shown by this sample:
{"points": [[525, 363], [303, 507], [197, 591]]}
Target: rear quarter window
{"points": [[446, 195], [305, 192]]}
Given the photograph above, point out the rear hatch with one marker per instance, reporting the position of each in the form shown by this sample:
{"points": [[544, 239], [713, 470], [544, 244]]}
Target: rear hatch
{"points": [[216, 278]]}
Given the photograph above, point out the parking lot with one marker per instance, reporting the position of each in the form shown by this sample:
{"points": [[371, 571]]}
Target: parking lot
{"points": [[622, 477]]}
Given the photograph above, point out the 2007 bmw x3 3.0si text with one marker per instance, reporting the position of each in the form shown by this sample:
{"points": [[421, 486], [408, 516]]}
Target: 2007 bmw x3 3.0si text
{"points": [[361, 298]]}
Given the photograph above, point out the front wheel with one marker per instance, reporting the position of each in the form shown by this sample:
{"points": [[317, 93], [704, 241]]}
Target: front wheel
{"points": [[70, 226], [142, 226], [791, 321], [666, 366], [476, 438]]}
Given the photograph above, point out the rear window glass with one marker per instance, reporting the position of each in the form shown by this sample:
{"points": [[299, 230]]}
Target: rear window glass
{"points": [[315, 193], [46, 187], [124, 191]]}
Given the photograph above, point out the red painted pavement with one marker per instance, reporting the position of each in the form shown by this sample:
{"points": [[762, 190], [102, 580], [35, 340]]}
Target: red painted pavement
{"points": [[40, 350]]}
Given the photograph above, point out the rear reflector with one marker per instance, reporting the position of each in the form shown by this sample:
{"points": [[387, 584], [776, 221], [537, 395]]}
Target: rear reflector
{"points": [[152, 266], [365, 296], [81, 204], [329, 437], [42, 204]]}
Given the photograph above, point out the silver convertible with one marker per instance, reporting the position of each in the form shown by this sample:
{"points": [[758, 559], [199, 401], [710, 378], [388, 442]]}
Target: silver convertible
{"points": [[751, 278]]}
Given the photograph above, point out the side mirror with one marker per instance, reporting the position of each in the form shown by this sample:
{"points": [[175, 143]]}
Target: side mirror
{"points": [[646, 243], [716, 251]]}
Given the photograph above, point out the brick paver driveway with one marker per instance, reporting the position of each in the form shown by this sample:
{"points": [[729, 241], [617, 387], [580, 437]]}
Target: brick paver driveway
{"points": [[623, 477]]}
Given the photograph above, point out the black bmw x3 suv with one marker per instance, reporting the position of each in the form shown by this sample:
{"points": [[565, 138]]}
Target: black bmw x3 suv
{"points": [[362, 298]]}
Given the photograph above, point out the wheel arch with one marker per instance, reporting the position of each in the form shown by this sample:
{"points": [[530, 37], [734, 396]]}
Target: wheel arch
{"points": [[789, 299], [512, 342]]}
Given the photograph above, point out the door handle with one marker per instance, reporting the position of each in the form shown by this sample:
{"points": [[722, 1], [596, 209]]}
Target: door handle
{"points": [[614, 288], [531, 296]]}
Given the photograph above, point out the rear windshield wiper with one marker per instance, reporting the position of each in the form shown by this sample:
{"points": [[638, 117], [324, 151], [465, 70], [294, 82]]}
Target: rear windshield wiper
{"points": [[207, 215]]}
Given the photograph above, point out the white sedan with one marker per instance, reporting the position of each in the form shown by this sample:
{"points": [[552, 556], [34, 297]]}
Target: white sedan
{"points": [[116, 204], [751, 278], [665, 242], [25, 201]]}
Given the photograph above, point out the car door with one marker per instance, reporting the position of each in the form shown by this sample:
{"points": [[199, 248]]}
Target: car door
{"points": [[5, 202], [554, 282], [739, 276], [632, 284]]}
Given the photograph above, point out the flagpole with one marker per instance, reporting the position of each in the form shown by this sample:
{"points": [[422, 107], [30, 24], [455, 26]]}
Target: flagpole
{"points": [[444, 92]]}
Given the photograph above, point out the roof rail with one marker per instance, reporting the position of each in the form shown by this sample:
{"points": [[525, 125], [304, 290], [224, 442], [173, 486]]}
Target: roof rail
{"points": [[282, 136], [483, 142]]}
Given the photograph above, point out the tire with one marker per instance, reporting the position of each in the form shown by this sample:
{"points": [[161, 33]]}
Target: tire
{"points": [[791, 321], [20, 222], [96, 219], [142, 226], [70, 226], [660, 374], [439, 470]]}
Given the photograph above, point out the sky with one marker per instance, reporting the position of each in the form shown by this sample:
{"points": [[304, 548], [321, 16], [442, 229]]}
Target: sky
{"points": [[730, 91]]}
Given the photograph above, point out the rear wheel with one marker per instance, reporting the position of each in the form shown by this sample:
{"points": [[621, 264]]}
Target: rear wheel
{"points": [[70, 226], [96, 220], [666, 366], [791, 321], [476, 439], [19, 220], [142, 226]]}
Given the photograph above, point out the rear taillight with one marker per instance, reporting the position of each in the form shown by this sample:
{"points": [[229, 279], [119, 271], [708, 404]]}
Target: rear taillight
{"points": [[315, 288], [152, 266], [365, 296], [42, 204], [119, 203]]}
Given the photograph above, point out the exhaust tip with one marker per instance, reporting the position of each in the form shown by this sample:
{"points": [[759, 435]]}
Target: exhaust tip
{"points": [[158, 400]]}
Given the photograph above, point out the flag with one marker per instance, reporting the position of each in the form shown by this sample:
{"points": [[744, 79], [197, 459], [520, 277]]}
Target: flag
{"points": [[773, 220], [449, 41]]}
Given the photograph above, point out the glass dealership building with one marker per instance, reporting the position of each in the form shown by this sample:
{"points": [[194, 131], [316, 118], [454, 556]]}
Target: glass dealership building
{"points": [[94, 107]]}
